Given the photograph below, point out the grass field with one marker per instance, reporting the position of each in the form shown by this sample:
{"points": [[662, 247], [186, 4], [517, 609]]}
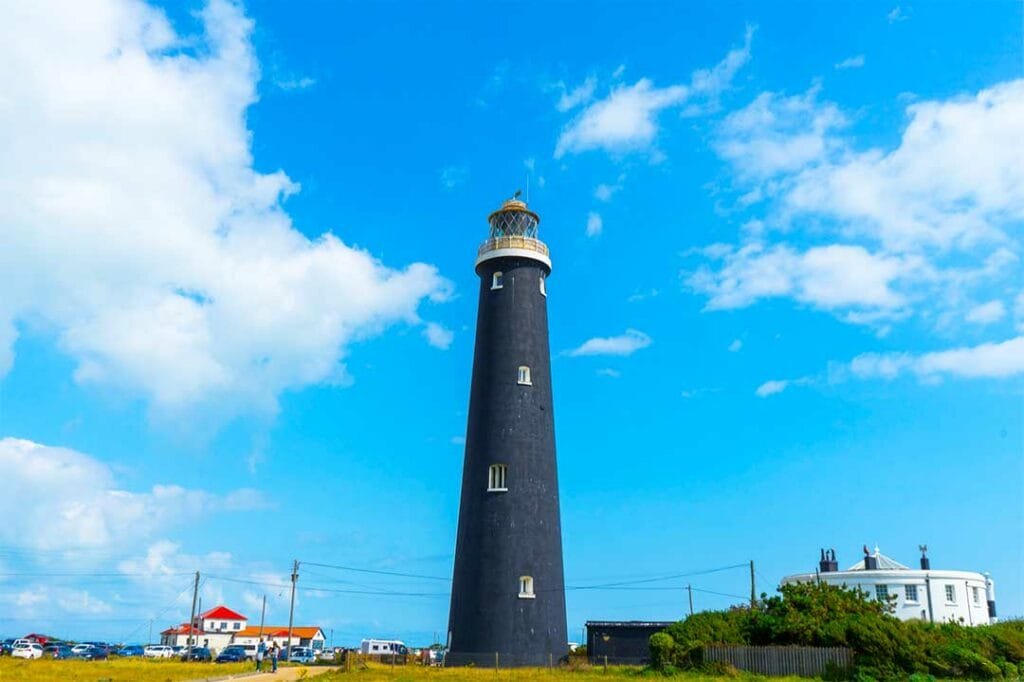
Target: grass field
{"points": [[416, 673], [114, 670]]}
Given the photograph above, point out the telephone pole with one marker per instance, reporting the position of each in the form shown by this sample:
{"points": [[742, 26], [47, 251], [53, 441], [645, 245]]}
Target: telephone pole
{"points": [[291, 610], [192, 618], [753, 587], [689, 589], [263, 612]]}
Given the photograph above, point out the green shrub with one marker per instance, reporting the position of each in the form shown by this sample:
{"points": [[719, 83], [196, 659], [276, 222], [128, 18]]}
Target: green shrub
{"points": [[884, 647]]}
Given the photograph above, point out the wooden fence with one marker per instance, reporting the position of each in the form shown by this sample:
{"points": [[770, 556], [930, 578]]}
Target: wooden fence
{"points": [[806, 661]]}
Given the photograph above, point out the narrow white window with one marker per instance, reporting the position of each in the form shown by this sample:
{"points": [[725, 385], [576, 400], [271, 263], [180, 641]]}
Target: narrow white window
{"points": [[882, 592], [543, 287], [524, 376], [526, 587], [950, 594], [976, 595], [496, 478], [911, 592], [497, 280]]}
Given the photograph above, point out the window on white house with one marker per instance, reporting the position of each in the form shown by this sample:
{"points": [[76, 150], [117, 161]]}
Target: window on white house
{"points": [[223, 625], [543, 287], [496, 475], [882, 592], [950, 594], [911, 592], [524, 376], [976, 595], [497, 280], [526, 587], [238, 626]]}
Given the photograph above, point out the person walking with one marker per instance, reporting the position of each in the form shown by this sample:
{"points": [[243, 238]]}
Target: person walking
{"points": [[274, 653], [261, 649]]}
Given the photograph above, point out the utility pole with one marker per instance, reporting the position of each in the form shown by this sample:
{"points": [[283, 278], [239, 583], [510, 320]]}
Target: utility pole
{"points": [[192, 618], [291, 610], [753, 587], [263, 612], [689, 590]]}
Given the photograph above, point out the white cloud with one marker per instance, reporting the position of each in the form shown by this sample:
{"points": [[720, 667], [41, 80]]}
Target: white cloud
{"points": [[594, 224], [438, 336], [300, 83], [624, 121], [771, 387], [851, 63], [165, 558], [625, 344], [918, 230], [998, 360], [453, 176], [64, 499], [987, 313], [896, 14], [627, 119], [581, 94], [829, 277], [604, 192], [735, 346], [137, 230], [608, 372]]}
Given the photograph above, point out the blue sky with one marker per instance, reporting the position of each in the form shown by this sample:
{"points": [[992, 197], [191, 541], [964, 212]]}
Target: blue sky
{"points": [[237, 310]]}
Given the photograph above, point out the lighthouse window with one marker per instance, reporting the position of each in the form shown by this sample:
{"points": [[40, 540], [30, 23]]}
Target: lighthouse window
{"points": [[496, 475], [543, 289], [526, 587], [524, 376], [950, 594], [976, 595], [882, 592], [496, 280], [911, 592]]}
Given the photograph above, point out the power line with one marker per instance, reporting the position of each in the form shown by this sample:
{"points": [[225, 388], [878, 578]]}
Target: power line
{"points": [[377, 572], [655, 580]]}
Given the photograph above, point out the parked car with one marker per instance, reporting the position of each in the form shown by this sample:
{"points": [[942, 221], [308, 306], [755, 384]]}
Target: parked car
{"points": [[27, 650], [158, 651], [131, 650], [90, 652], [301, 654], [233, 653], [6, 646], [57, 651], [198, 653]]}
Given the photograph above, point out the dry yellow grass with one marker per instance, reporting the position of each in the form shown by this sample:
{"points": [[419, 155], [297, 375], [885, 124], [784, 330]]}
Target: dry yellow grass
{"points": [[114, 670], [416, 673]]}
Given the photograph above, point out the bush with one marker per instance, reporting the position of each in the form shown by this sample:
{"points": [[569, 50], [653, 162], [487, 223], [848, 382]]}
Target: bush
{"points": [[884, 647]]}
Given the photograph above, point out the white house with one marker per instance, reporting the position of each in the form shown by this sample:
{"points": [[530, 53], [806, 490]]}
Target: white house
{"points": [[923, 593], [302, 635], [215, 628]]}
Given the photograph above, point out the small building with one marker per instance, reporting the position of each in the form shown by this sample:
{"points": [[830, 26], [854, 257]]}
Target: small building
{"points": [[302, 635], [924, 593], [622, 642], [215, 629]]}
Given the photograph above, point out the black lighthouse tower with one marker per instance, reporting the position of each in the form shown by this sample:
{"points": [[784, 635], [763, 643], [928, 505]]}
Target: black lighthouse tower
{"points": [[508, 590]]}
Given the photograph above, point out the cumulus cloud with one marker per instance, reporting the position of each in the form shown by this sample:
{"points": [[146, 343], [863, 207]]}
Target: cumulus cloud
{"points": [[66, 499], [438, 336], [626, 120], [987, 313], [594, 224], [997, 360], [137, 231], [581, 94], [920, 229], [771, 388], [624, 344]]}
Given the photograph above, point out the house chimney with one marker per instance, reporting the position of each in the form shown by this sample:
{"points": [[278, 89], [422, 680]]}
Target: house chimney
{"points": [[926, 563], [870, 562], [823, 565]]}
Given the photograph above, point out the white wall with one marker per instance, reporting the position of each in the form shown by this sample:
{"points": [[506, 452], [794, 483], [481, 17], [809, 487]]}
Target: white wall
{"points": [[963, 609]]}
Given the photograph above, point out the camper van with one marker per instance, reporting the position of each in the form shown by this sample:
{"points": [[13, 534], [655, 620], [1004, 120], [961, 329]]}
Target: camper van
{"points": [[383, 647]]}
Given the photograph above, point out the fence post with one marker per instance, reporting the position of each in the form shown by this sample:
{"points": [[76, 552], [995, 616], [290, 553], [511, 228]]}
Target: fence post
{"points": [[551, 660], [606, 663], [495, 661]]}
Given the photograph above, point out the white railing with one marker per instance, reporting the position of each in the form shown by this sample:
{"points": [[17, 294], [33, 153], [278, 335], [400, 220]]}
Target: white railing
{"points": [[513, 242]]}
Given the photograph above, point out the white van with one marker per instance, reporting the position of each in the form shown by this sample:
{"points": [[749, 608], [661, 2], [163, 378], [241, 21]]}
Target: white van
{"points": [[158, 651], [383, 647]]}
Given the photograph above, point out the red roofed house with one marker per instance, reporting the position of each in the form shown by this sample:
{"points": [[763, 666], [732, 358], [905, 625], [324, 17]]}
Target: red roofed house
{"points": [[215, 629], [310, 636]]}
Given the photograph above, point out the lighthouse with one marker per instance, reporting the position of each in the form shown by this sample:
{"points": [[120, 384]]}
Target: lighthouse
{"points": [[508, 589]]}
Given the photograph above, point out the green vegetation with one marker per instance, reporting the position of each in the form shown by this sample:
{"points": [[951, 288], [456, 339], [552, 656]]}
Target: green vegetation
{"points": [[821, 615]]}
